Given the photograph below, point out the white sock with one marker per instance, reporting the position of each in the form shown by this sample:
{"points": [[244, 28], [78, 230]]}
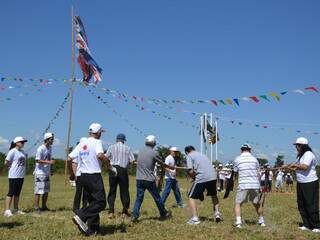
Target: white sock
{"points": [[261, 220], [238, 220]]}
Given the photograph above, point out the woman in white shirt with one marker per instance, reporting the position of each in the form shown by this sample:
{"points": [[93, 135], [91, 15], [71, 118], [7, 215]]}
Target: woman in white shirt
{"points": [[16, 161], [307, 186]]}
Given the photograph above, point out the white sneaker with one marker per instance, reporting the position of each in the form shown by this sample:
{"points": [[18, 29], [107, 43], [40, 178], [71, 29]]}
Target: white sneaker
{"points": [[8, 213], [19, 212], [193, 221], [262, 224], [238, 225], [217, 216], [303, 228], [183, 205], [316, 230]]}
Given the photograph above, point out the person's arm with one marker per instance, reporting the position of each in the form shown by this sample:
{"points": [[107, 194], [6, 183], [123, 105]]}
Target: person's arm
{"points": [[164, 165], [74, 169], [43, 161], [9, 159]]}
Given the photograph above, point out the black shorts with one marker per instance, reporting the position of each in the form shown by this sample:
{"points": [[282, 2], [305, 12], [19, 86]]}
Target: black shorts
{"points": [[15, 186], [197, 189]]}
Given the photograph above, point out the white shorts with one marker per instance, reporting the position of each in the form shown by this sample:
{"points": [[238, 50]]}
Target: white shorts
{"points": [[279, 183], [41, 184], [248, 195]]}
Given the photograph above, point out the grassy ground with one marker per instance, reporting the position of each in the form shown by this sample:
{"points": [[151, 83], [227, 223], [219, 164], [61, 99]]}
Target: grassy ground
{"points": [[281, 217]]}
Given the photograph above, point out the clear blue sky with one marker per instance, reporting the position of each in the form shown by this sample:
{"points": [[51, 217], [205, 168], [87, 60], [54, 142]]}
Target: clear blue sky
{"points": [[167, 49]]}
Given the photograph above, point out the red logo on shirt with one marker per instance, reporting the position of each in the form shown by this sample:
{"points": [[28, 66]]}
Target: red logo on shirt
{"points": [[85, 147]]}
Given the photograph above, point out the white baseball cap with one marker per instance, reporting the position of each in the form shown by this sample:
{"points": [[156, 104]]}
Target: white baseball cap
{"points": [[150, 138], [301, 140], [48, 135], [174, 149], [246, 145], [96, 128], [19, 139]]}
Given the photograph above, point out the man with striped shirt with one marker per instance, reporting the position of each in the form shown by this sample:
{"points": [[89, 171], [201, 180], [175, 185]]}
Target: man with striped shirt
{"points": [[120, 156], [247, 168]]}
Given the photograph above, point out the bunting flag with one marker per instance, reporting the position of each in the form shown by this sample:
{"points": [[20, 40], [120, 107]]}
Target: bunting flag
{"points": [[52, 120], [87, 64]]}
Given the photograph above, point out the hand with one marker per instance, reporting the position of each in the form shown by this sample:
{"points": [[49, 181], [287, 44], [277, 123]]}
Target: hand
{"points": [[114, 170], [51, 162]]}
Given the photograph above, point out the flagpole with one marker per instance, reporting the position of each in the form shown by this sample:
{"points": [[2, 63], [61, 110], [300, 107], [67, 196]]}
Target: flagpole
{"points": [[201, 132], [206, 133], [216, 122], [71, 99], [211, 145]]}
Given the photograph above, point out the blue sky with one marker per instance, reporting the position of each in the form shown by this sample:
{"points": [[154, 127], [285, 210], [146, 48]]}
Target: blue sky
{"points": [[167, 49]]}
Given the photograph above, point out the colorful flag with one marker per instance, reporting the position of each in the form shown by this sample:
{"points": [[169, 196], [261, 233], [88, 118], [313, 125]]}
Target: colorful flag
{"points": [[87, 64]]}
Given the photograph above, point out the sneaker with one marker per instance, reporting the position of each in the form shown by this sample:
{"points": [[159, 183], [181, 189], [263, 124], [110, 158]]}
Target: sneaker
{"points": [[8, 213], [37, 210], [166, 216], [303, 228], [262, 224], [316, 230], [81, 225], [134, 219], [18, 212], [238, 225], [217, 216], [193, 221], [183, 205], [44, 209]]}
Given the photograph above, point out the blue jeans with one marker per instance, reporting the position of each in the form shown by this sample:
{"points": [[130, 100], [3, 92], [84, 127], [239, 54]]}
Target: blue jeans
{"points": [[172, 184], [143, 185]]}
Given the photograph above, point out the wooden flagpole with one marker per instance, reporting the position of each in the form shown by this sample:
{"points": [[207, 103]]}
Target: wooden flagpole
{"points": [[71, 101]]}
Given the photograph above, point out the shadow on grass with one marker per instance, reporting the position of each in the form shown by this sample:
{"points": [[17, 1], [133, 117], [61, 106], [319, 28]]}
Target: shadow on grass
{"points": [[206, 219], [112, 228], [250, 222], [10, 225]]}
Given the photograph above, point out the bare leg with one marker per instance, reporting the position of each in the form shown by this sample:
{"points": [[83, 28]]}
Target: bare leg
{"points": [[16, 202], [44, 200], [215, 202], [193, 207], [237, 210], [36, 201], [8, 202]]}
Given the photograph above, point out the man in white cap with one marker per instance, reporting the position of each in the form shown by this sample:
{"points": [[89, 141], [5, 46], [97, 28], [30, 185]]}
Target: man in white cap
{"points": [[146, 179], [42, 172], [91, 156], [200, 169], [247, 168], [171, 181]]}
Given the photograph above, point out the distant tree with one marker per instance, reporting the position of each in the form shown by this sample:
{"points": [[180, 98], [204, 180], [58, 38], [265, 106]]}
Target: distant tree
{"points": [[2, 158], [262, 161], [279, 161]]}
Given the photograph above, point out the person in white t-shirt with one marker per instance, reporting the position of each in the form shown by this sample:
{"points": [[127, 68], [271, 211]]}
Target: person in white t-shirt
{"points": [[221, 175], [279, 180], [42, 172], [91, 155], [247, 168], [74, 157], [171, 180], [16, 160], [289, 183], [307, 185]]}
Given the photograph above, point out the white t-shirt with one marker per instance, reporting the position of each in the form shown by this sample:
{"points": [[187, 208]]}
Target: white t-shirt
{"points": [[43, 153], [310, 175], [222, 174], [263, 177], [171, 162], [89, 150], [280, 176], [247, 167], [75, 156], [17, 163]]}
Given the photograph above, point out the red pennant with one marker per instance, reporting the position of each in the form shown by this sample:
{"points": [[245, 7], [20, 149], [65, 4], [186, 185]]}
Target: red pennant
{"points": [[312, 89], [214, 102], [255, 99]]}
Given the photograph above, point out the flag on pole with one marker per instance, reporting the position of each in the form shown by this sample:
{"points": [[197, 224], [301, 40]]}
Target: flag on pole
{"points": [[87, 64], [211, 133]]}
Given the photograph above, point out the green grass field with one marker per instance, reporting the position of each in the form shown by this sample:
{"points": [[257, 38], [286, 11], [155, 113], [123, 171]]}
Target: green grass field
{"points": [[281, 217]]}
